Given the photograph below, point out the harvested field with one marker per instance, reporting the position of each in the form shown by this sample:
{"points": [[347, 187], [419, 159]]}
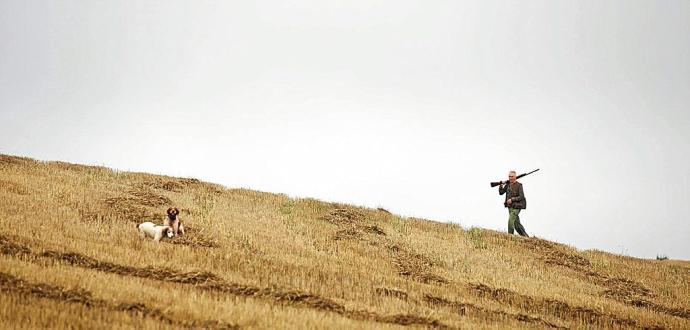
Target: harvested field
{"points": [[10, 284], [553, 307], [209, 282], [390, 292], [414, 265], [69, 251], [470, 310]]}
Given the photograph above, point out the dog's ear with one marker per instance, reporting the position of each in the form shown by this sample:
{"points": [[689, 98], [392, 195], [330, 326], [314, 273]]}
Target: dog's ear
{"points": [[170, 209], [176, 211]]}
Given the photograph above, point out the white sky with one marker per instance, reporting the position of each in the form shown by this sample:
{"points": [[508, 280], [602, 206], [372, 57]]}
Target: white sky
{"points": [[410, 105]]}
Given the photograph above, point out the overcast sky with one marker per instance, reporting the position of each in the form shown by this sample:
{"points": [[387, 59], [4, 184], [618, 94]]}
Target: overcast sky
{"points": [[414, 106]]}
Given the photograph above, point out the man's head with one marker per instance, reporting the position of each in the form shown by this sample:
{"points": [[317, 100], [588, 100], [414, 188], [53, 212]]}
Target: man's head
{"points": [[512, 176]]}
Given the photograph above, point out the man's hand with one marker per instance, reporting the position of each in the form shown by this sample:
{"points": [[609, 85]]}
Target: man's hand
{"points": [[509, 201]]}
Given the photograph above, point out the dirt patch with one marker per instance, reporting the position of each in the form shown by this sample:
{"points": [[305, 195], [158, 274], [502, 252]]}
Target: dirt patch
{"points": [[162, 184], [471, 310], [376, 230], [12, 160], [554, 254], [409, 264], [549, 306], [148, 198], [126, 208], [14, 188], [408, 319], [8, 247], [344, 216], [15, 285], [154, 273], [389, 292], [351, 223], [622, 287], [414, 265], [383, 210], [194, 241], [345, 234], [631, 297]]}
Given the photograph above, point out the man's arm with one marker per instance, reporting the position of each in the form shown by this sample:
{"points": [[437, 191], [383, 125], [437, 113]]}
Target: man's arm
{"points": [[501, 189]]}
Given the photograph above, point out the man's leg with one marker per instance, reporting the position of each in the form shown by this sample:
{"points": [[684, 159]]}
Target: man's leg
{"points": [[511, 220], [518, 226]]}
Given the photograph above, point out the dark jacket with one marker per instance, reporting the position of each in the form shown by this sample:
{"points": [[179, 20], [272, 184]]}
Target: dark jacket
{"points": [[515, 192]]}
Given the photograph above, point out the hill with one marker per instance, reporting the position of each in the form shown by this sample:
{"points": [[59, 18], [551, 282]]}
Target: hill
{"points": [[70, 256]]}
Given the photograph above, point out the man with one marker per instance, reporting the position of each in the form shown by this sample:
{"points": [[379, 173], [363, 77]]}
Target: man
{"points": [[515, 201]]}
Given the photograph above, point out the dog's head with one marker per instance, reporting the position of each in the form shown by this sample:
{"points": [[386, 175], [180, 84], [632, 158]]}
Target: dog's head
{"points": [[173, 212], [168, 231]]}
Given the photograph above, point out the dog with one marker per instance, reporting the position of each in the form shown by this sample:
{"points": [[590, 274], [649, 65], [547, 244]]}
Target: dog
{"points": [[154, 231], [172, 217]]}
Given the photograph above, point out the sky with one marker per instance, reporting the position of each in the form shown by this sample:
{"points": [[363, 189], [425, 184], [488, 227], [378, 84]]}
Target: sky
{"points": [[414, 106]]}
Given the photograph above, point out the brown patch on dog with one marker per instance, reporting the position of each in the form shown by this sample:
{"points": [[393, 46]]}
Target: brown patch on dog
{"points": [[414, 265], [15, 285], [549, 306], [471, 310], [389, 292]]}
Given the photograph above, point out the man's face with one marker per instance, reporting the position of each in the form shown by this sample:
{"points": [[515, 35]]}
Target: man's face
{"points": [[511, 177]]}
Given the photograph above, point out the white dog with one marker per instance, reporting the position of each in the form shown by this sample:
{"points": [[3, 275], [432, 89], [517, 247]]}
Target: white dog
{"points": [[154, 231]]}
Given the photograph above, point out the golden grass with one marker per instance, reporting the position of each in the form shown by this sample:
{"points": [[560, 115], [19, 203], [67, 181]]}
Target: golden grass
{"points": [[70, 256]]}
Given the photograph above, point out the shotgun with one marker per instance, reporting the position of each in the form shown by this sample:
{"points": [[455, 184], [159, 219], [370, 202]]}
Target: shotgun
{"points": [[494, 184]]}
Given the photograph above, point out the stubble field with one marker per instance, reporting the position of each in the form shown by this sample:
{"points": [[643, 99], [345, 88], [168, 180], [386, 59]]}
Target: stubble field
{"points": [[70, 256]]}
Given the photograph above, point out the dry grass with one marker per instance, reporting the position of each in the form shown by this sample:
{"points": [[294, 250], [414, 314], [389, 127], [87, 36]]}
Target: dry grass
{"points": [[70, 256]]}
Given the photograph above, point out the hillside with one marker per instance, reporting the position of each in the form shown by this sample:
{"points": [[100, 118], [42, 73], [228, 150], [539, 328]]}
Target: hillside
{"points": [[70, 256]]}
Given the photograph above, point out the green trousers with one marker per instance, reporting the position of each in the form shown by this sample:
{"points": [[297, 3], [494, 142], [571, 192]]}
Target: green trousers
{"points": [[514, 222]]}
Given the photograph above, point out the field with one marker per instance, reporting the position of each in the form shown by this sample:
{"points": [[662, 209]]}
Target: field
{"points": [[70, 256]]}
